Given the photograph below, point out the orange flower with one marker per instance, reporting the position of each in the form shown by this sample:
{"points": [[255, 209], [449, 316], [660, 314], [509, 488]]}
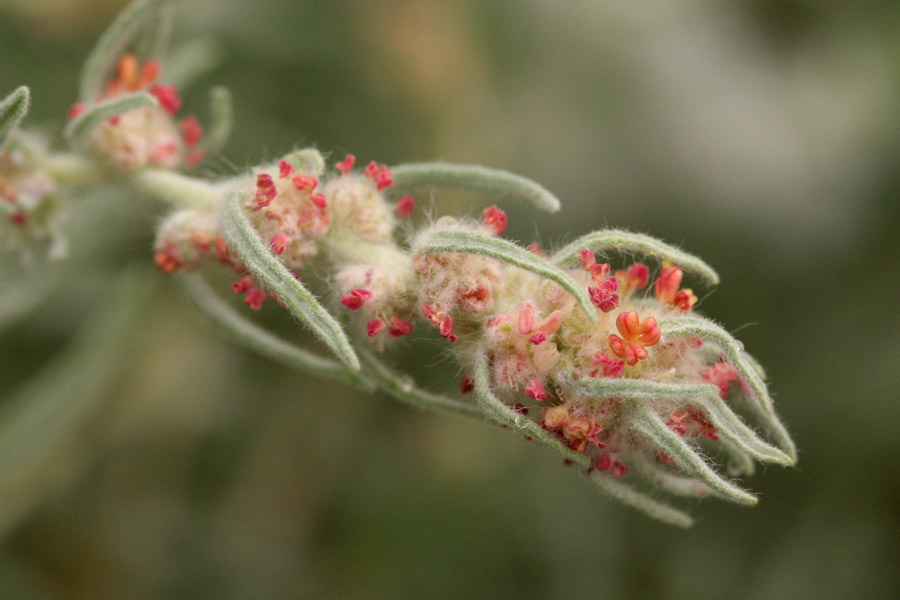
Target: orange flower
{"points": [[636, 335]]}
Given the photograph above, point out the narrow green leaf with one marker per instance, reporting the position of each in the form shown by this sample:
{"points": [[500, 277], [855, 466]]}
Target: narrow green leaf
{"points": [[639, 500], [662, 478], [44, 420], [622, 492], [639, 389], [13, 109], [738, 463], [221, 113], [189, 61], [505, 415], [731, 427], [234, 326], [243, 239], [156, 33], [475, 243], [80, 129], [112, 44], [626, 241], [733, 349], [705, 395], [494, 182], [404, 389], [652, 427]]}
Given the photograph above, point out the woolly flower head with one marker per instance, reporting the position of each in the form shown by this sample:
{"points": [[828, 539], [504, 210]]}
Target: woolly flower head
{"points": [[145, 136], [32, 214]]}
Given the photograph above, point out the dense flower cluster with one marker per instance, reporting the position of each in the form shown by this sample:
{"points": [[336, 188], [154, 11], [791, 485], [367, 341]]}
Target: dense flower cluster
{"points": [[610, 367], [30, 209], [147, 136]]}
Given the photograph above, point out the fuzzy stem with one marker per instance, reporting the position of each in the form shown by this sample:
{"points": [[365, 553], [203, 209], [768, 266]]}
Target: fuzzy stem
{"points": [[403, 388], [178, 190]]}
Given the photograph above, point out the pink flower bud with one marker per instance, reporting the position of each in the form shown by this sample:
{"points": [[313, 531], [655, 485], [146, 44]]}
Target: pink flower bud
{"points": [[495, 219], [535, 389], [356, 298], [399, 327], [375, 327]]}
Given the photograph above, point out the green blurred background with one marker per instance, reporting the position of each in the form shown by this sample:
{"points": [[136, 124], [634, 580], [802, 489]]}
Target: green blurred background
{"points": [[762, 135]]}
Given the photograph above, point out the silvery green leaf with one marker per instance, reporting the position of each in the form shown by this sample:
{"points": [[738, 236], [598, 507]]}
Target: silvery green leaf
{"points": [[13, 109], [154, 38], [763, 407], [704, 395], [504, 414], [403, 388], [265, 268], [80, 129], [221, 115], [494, 182], [113, 43], [639, 500], [187, 62], [646, 422], [626, 241], [475, 243]]}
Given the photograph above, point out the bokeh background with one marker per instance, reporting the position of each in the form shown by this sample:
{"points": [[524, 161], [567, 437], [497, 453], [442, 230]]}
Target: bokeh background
{"points": [[762, 135]]}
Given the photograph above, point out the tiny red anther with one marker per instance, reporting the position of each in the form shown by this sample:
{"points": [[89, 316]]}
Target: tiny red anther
{"points": [[495, 219], [191, 130], [265, 190], [168, 97], [279, 242], [345, 165], [399, 327], [405, 206], [535, 389], [305, 182], [375, 327], [242, 285], [355, 299]]}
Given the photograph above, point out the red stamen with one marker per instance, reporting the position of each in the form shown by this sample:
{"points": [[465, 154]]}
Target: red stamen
{"points": [[265, 191], [168, 97], [375, 327], [345, 165], [399, 327], [355, 299], [285, 169], [405, 206], [191, 130], [495, 219], [279, 242], [636, 335]]}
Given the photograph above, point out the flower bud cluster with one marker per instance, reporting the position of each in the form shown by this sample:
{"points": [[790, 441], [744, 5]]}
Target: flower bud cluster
{"points": [[549, 343], [30, 210], [149, 136]]}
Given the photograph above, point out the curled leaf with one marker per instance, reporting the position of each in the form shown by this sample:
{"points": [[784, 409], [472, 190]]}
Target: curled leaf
{"points": [[113, 43], [494, 182], [80, 129], [475, 243], [626, 241]]}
